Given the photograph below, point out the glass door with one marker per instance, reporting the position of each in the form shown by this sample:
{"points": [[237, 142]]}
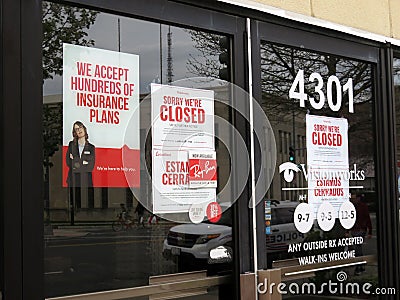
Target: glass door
{"points": [[110, 230], [319, 217]]}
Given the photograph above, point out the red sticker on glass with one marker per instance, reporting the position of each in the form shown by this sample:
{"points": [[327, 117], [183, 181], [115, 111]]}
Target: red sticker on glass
{"points": [[214, 212], [202, 169]]}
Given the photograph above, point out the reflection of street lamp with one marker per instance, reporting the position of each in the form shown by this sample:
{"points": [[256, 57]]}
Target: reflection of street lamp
{"points": [[72, 193], [161, 71], [119, 35], [292, 151], [169, 56], [292, 156], [46, 189], [294, 128]]}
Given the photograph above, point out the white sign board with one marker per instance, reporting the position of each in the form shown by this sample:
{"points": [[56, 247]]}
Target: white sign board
{"points": [[328, 161], [171, 192], [182, 121]]}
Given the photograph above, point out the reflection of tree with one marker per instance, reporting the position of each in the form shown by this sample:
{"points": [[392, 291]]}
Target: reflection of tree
{"points": [[61, 24], [52, 117], [279, 66], [396, 67], [52, 133], [206, 64]]}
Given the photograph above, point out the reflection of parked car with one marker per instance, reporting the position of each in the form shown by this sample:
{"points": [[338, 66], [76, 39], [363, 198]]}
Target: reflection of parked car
{"points": [[193, 242], [283, 231]]}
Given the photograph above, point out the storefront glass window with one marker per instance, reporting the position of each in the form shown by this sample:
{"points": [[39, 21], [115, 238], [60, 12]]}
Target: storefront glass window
{"points": [[97, 235], [321, 110]]}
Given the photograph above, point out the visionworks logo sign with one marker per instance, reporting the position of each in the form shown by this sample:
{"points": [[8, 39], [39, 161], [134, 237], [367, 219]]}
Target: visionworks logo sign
{"points": [[289, 169]]}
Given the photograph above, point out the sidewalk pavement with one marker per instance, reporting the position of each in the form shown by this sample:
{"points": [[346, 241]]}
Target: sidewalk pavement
{"points": [[56, 231]]}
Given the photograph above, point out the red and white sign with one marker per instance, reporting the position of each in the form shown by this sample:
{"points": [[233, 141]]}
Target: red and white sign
{"points": [[170, 176], [328, 161], [183, 118], [202, 169], [182, 121], [214, 212], [101, 91]]}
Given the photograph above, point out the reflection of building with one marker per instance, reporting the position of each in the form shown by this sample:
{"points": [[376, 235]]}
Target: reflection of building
{"points": [[283, 128]]}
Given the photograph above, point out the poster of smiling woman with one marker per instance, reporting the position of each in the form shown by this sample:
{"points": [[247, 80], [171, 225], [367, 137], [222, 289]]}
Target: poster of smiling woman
{"points": [[100, 96]]}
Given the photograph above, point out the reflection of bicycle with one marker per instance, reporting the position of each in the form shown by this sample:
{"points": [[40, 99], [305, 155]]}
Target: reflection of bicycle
{"points": [[121, 223]]}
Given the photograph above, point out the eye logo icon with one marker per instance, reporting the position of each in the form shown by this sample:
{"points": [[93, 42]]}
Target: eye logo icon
{"points": [[288, 169]]}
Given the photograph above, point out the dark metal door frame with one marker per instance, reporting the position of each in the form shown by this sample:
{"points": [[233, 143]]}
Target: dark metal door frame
{"points": [[21, 139], [380, 56]]}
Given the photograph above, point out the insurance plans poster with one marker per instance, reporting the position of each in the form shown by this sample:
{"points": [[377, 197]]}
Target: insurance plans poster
{"points": [[183, 121], [100, 97]]}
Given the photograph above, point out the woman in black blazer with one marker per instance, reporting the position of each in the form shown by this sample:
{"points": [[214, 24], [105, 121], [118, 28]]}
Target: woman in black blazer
{"points": [[80, 158]]}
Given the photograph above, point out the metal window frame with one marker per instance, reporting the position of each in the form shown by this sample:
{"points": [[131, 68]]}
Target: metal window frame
{"points": [[21, 131]]}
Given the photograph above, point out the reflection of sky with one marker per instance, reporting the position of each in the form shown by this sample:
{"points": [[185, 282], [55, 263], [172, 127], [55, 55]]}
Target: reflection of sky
{"points": [[142, 38]]}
